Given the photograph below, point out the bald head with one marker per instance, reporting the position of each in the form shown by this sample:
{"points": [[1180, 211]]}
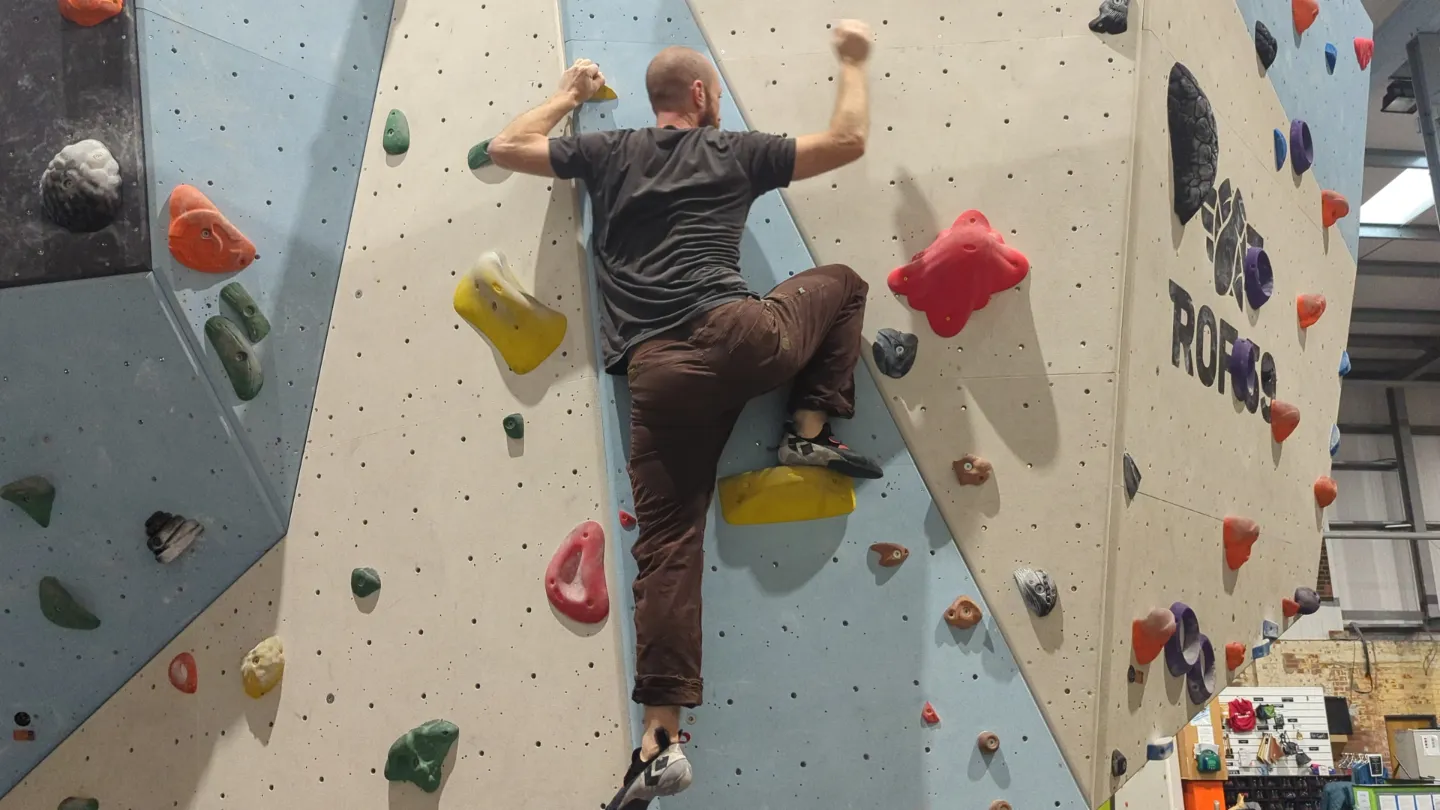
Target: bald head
{"points": [[671, 77]]}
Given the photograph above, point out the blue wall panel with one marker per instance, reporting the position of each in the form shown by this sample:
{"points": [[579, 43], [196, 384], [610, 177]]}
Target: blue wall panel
{"points": [[101, 394], [273, 131], [1333, 106], [817, 661]]}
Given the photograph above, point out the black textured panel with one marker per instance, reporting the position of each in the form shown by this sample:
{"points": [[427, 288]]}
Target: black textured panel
{"points": [[61, 83], [1265, 45], [1194, 142], [1114, 17]]}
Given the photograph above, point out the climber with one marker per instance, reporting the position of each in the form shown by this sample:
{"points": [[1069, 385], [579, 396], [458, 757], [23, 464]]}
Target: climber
{"points": [[669, 208]]}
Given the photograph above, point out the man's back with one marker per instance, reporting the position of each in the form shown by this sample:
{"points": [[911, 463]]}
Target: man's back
{"points": [[669, 212]]}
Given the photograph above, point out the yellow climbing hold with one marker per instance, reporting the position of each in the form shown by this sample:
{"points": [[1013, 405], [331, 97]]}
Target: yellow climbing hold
{"points": [[263, 667], [522, 329], [784, 494], [604, 94]]}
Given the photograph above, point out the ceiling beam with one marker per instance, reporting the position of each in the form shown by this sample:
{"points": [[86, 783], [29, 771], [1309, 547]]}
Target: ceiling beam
{"points": [[1428, 317], [1425, 364], [1395, 159], [1390, 342], [1410, 18], [1399, 269], [1428, 233]]}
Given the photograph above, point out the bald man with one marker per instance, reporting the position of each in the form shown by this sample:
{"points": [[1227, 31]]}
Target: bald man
{"points": [[669, 205]]}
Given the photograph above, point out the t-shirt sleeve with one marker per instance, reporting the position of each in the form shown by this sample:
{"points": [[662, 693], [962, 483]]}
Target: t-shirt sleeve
{"points": [[768, 159], [579, 156]]}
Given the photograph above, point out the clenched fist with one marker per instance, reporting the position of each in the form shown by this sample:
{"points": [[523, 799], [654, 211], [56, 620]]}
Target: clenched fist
{"points": [[852, 42], [582, 80]]}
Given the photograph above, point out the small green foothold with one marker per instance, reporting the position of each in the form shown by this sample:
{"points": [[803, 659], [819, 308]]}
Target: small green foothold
{"points": [[364, 581], [479, 155], [237, 356], [77, 803], [397, 134], [34, 494], [61, 608], [257, 326], [515, 426], [419, 755]]}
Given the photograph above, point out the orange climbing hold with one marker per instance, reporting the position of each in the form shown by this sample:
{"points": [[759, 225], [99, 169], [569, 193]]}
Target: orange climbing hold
{"points": [[965, 265], [929, 715], [1326, 490], [575, 579], [90, 12], [1309, 308], [1240, 534], [183, 673], [972, 470], [891, 554], [1000, 804], [1364, 51], [1148, 635], [1306, 12], [1289, 607], [201, 238], [988, 742], [1234, 655], [963, 613], [1284, 418], [1333, 207]]}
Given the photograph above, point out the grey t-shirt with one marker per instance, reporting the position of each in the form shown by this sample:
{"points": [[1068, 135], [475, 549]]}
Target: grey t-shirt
{"points": [[669, 208]]}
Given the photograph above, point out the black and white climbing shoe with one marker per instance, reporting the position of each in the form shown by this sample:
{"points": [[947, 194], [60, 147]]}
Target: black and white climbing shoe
{"points": [[825, 451], [665, 775]]}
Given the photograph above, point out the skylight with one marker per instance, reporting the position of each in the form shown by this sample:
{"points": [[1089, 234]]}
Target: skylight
{"points": [[1405, 198]]}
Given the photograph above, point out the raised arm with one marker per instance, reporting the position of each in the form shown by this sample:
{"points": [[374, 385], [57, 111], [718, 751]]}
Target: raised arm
{"points": [[844, 141], [524, 146]]}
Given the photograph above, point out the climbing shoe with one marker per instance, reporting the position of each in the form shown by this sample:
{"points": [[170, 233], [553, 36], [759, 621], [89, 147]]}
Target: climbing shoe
{"points": [[665, 775], [825, 451]]}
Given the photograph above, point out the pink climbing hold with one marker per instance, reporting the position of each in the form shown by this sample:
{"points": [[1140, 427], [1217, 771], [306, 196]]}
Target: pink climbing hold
{"points": [[929, 715], [627, 520], [957, 274], [575, 579], [184, 675], [1364, 51]]}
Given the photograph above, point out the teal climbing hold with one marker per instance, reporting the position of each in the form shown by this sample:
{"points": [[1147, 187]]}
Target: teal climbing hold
{"points": [[397, 134], [34, 494], [257, 326], [479, 155], [515, 426], [61, 609], [77, 803], [364, 581], [237, 356], [419, 755]]}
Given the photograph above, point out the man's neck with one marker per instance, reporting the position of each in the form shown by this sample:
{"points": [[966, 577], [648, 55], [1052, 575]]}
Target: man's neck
{"points": [[676, 120]]}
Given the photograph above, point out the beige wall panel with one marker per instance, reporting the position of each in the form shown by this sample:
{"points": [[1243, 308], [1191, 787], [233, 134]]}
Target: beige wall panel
{"points": [[408, 470]]}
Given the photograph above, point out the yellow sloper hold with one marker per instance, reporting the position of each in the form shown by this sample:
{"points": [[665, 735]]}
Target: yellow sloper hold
{"points": [[604, 94], [263, 668], [523, 330], [785, 494]]}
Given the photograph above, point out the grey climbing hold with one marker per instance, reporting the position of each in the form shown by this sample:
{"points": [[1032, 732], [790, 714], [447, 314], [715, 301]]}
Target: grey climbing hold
{"points": [[479, 155], [1308, 600], [237, 356], [1132, 477], [34, 494], [1194, 142], [77, 803], [364, 581], [894, 352], [257, 326], [419, 755], [1269, 630], [1114, 17], [1118, 763], [396, 140], [514, 425], [80, 189], [1038, 589], [167, 535], [61, 609], [1265, 45]]}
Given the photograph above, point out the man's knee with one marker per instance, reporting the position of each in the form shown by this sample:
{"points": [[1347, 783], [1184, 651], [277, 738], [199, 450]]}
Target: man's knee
{"points": [[852, 279]]}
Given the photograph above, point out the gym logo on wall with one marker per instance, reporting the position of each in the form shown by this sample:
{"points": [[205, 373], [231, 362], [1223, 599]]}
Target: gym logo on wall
{"points": [[1203, 341]]}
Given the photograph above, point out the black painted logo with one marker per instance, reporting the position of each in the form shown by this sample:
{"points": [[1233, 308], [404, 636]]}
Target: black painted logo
{"points": [[1228, 233]]}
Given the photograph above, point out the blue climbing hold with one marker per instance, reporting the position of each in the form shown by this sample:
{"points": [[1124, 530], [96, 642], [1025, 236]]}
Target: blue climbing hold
{"points": [[1330, 56], [1344, 363], [1334, 440], [1160, 750], [1281, 148], [1270, 630], [1260, 650]]}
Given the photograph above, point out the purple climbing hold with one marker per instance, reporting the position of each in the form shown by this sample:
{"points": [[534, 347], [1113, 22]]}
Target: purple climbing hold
{"points": [[1183, 648], [1259, 278], [1200, 680], [1243, 359], [1308, 600], [1302, 148], [1281, 149]]}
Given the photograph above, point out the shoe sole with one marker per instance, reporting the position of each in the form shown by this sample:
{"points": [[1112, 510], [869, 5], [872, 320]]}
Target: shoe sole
{"points": [[854, 470]]}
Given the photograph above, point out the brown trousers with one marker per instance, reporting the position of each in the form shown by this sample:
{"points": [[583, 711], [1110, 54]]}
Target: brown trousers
{"points": [[687, 388]]}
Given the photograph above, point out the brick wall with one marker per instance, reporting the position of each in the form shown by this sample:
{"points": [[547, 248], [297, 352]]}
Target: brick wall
{"points": [[1406, 680], [1323, 586]]}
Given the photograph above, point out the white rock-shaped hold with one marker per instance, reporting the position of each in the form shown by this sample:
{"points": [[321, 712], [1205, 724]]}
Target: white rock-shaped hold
{"points": [[80, 189]]}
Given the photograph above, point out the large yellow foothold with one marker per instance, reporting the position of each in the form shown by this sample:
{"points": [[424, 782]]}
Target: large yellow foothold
{"points": [[522, 329], [263, 667], [785, 494], [605, 93]]}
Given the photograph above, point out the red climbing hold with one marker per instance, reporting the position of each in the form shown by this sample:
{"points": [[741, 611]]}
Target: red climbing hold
{"points": [[184, 675], [1309, 308], [957, 274], [1333, 207], [1289, 607], [1326, 491], [1240, 535], [1234, 655], [1148, 635], [627, 520], [575, 580], [1306, 12], [891, 554], [201, 238], [1284, 418], [90, 12], [929, 715], [1364, 51]]}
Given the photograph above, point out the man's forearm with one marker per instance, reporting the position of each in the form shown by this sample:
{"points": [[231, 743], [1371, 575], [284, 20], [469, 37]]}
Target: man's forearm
{"points": [[542, 119], [851, 119]]}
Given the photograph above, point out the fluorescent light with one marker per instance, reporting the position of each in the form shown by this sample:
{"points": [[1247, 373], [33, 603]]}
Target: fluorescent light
{"points": [[1405, 198]]}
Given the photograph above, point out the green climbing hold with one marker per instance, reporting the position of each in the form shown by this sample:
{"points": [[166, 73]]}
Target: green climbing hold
{"points": [[397, 134], [236, 355], [34, 494], [61, 608], [257, 326], [364, 581], [419, 755], [77, 803], [515, 426], [479, 155]]}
